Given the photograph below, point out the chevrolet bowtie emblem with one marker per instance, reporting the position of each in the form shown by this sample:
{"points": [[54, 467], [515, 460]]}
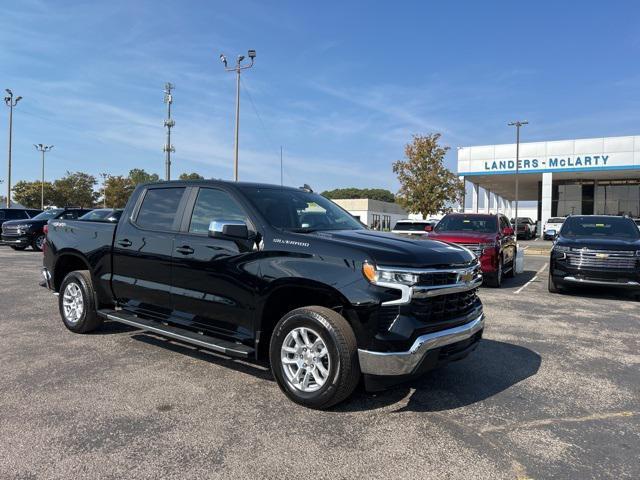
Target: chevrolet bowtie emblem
{"points": [[466, 277]]}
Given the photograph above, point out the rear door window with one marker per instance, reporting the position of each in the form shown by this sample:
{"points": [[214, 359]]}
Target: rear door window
{"points": [[159, 208]]}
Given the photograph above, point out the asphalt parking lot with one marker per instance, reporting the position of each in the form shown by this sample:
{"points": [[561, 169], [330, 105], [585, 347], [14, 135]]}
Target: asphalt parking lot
{"points": [[553, 391]]}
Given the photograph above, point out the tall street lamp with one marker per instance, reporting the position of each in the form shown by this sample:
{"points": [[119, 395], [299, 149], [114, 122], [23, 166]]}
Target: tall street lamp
{"points": [[238, 68], [44, 149], [10, 103], [517, 124]]}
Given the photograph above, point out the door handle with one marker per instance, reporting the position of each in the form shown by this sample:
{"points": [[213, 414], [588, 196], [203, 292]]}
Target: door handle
{"points": [[185, 250], [125, 242]]}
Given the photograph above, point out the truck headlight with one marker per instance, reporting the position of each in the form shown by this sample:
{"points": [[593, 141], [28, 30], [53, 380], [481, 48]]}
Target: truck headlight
{"points": [[377, 276]]}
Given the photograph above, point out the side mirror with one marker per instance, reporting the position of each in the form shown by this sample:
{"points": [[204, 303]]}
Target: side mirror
{"points": [[507, 231], [428, 228], [229, 229]]}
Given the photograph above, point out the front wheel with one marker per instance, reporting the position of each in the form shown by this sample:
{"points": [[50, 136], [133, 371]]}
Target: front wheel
{"points": [[553, 287], [38, 242], [314, 357], [495, 280], [18, 247]]}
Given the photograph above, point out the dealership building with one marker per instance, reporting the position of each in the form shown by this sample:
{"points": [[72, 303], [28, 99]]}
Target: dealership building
{"points": [[585, 176]]}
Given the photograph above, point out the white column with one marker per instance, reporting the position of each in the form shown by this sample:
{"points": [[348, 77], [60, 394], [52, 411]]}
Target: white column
{"points": [[547, 182], [493, 200], [474, 198], [485, 200]]}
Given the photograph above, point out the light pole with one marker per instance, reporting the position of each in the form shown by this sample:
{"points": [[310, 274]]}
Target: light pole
{"points": [[238, 68], [169, 123], [10, 103], [104, 176], [517, 124], [43, 149]]}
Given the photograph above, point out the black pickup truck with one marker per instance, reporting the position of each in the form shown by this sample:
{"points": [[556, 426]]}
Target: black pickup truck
{"points": [[278, 273]]}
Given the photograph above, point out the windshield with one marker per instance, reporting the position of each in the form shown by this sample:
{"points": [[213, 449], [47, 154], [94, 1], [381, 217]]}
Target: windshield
{"points": [[100, 214], [556, 220], [411, 226], [47, 214], [300, 211], [468, 223], [616, 227]]}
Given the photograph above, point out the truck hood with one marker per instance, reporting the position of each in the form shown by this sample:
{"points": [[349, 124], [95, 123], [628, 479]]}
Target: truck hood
{"points": [[464, 237], [395, 250], [599, 243], [25, 221]]}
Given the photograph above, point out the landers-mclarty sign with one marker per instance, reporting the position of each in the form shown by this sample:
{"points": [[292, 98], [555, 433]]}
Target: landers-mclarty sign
{"points": [[587, 161]]}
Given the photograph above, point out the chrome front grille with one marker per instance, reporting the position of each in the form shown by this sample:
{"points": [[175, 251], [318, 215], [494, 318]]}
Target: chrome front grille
{"points": [[474, 247], [9, 230], [612, 259]]}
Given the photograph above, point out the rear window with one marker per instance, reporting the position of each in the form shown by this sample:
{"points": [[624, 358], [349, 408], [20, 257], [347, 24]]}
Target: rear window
{"points": [[411, 226], [468, 223], [616, 227], [159, 208]]}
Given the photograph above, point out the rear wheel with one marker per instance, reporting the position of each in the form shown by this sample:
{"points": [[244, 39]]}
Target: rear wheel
{"points": [[77, 303], [38, 242], [18, 247], [314, 357]]}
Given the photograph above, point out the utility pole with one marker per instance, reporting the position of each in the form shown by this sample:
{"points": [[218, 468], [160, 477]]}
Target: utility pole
{"points": [[169, 123], [10, 103], [43, 149], [238, 68], [104, 176], [517, 124]]}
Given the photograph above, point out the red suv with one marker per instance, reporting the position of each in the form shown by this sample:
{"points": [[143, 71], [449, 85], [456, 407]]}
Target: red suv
{"points": [[489, 237]]}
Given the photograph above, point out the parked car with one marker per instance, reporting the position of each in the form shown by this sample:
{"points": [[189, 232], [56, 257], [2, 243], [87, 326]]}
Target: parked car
{"points": [[111, 215], [552, 227], [489, 237], [596, 250], [21, 234], [261, 271], [526, 227], [412, 227], [7, 214]]}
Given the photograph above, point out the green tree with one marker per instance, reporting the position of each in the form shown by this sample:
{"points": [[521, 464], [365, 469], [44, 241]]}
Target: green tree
{"points": [[139, 175], [191, 176], [28, 194], [118, 189], [75, 189], [352, 192], [426, 185]]}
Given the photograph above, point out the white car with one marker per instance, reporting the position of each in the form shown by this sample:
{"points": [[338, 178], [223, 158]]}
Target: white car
{"points": [[413, 227], [552, 227]]}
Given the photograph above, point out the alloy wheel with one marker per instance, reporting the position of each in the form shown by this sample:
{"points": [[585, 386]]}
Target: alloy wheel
{"points": [[73, 303], [305, 360]]}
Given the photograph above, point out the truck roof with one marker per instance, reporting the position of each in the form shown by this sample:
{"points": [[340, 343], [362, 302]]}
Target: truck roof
{"points": [[221, 182]]}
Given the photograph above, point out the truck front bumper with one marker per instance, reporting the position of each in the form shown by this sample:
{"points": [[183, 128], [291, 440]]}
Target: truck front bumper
{"points": [[409, 363], [22, 241]]}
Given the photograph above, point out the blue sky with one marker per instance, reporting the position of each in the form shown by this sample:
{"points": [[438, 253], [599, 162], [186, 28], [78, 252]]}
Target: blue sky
{"points": [[341, 86]]}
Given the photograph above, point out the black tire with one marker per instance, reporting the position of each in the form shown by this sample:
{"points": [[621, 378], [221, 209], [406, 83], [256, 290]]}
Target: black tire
{"points": [[495, 280], [87, 319], [37, 242], [553, 288], [340, 341], [18, 247], [512, 273]]}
